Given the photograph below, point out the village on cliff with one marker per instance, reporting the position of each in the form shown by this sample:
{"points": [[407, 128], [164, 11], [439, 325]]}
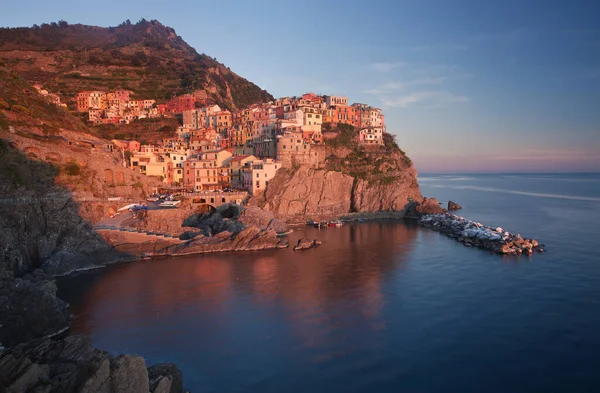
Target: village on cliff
{"points": [[216, 149]]}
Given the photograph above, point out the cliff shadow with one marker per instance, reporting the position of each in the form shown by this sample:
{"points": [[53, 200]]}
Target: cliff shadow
{"points": [[40, 222]]}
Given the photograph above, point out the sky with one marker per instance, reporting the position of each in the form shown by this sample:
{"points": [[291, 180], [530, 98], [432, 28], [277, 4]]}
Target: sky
{"points": [[465, 85]]}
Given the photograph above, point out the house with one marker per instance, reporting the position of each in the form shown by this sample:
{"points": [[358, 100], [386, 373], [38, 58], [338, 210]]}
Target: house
{"points": [[256, 174], [371, 135], [235, 168], [208, 171], [336, 101], [132, 146]]}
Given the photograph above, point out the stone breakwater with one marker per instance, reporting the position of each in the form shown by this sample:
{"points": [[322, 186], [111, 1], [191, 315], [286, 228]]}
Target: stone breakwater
{"points": [[474, 234]]}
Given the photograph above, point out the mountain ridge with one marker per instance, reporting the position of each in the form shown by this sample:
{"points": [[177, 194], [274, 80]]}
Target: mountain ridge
{"points": [[147, 57]]}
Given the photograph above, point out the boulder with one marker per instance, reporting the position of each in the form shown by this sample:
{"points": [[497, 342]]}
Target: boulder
{"points": [[165, 378], [283, 244], [429, 206], [30, 309], [128, 374], [305, 244], [453, 206], [253, 216]]}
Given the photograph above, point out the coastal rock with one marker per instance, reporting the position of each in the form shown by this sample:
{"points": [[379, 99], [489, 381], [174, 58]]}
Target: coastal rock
{"points": [[73, 365], [474, 234], [370, 196], [453, 206], [165, 378], [429, 206], [305, 244], [249, 239], [283, 244], [339, 180], [253, 216], [128, 374], [29, 309], [306, 191]]}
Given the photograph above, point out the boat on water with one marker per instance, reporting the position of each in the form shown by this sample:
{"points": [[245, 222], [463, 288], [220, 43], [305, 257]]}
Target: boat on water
{"points": [[335, 223], [169, 203]]}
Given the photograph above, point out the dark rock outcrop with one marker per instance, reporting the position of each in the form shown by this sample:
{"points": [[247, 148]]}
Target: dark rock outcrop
{"points": [[29, 309], [453, 206], [165, 378], [73, 365]]}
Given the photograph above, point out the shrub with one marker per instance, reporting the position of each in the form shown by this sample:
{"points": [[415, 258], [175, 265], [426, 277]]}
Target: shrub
{"points": [[4, 105], [21, 109], [73, 169]]}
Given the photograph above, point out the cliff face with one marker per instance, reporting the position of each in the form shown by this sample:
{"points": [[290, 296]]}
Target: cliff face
{"points": [[307, 191], [147, 57], [382, 181], [378, 196]]}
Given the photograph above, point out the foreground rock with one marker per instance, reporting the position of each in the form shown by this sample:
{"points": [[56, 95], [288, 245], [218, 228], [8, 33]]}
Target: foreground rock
{"points": [[305, 244], [474, 234], [453, 206], [29, 309], [73, 365]]}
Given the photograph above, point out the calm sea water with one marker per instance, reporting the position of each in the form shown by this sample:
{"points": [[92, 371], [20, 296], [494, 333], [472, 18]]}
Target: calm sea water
{"points": [[379, 307]]}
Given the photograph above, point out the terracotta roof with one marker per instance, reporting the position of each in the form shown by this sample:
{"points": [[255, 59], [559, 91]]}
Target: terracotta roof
{"points": [[239, 158]]}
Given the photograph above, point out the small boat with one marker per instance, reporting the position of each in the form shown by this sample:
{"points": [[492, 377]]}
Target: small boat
{"points": [[169, 204], [335, 223]]}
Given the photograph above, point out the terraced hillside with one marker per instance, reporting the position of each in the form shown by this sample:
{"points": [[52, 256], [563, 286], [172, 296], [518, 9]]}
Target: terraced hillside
{"points": [[147, 58]]}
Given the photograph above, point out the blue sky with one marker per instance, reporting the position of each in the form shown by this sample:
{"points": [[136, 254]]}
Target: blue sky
{"points": [[467, 86]]}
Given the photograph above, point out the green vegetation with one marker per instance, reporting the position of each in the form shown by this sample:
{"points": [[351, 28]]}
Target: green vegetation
{"points": [[20, 170], [347, 137], [21, 109], [374, 163]]}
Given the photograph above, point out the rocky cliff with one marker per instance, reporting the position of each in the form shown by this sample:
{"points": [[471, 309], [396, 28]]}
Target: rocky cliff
{"points": [[350, 178], [51, 167], [146, 57], [73, 365]]}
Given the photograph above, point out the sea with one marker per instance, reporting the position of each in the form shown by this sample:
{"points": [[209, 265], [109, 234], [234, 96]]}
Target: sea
{"points": [[383, 306]]}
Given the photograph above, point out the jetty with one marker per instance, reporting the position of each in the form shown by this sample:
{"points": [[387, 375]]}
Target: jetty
{"points": [[474, 234]]}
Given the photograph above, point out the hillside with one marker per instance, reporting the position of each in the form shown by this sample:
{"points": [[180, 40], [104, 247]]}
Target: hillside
{"points": [[55, 180], [147, 58]]}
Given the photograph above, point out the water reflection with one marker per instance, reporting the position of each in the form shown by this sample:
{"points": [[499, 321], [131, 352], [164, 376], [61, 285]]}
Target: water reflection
{"points": [[353, 261], [254, 314]]}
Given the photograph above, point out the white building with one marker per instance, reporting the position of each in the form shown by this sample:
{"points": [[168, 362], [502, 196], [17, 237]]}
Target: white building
{"points": [[256, 175], [371, 136], [336, 101]]}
